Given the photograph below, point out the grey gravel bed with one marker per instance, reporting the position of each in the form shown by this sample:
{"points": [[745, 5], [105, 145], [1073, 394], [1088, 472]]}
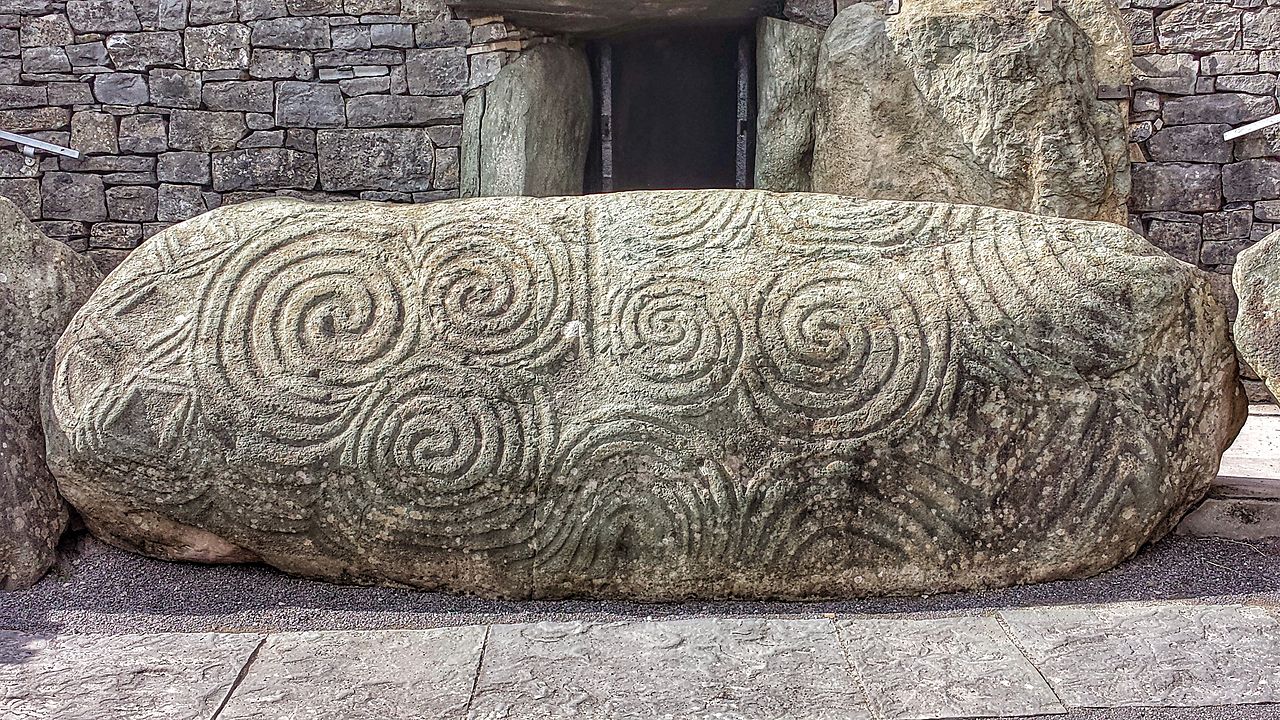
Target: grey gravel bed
{"points": [[96, 588]]}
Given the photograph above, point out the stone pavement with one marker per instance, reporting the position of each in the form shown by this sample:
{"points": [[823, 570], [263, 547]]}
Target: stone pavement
{"points": [[1039, 662]]}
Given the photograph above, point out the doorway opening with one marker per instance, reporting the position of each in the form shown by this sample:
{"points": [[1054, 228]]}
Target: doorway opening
{"points": [[675, 109]]}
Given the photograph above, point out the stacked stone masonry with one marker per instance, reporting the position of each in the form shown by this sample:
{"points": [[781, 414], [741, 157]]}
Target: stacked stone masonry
{"points": [[179, 106]]}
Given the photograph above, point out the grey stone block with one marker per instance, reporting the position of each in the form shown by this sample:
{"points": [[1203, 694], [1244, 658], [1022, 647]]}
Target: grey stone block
{"points": [[87, 54], [1176, 186], [299, 33], [70, 93], [916, 669], [264, 169], [369, 7], [1251, 180], [78, 677], [184, 167], [143, 133], [1228, 225], [425, 11], [749, 669], [175, 203], [399, 110], [172, 14], [282, 64], [262, 9], [1190, 143], [1153, 656], [393, 159], [116, 236], [437, 71], [73, 196], [24, 193], [1179, 239], [1229, 108], [94, 133], [301, 104], [205, 131], [100, 16], [1230, 62], [35, 119], [448, 162], [175, 88], [45, 31], [21, 96], [351, 58], [314, 7], [131, 203], [1199, 27], [245, 96], [1256, 84], [351, 37], [442, 33], [140, 51], [217, 47], [1261, 29], [1267, 210], [211, 12], [1173, 74], [45, 60], [818, 13], [10, 44], [355, 87], [121, 89], [403, 673], [259, 121], [392, 35], [1222, 252], [262, 139]]}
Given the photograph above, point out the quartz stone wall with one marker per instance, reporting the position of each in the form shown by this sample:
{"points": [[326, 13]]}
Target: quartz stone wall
{"points": [[179, 106]]}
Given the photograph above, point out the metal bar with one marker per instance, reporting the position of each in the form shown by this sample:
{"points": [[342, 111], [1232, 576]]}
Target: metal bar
{"points": [[1251, 127], [39, 145], [1114, 92], [606, 118]]}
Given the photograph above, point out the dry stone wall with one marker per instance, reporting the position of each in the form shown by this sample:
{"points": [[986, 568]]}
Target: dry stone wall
{"points": [[180, 106]]}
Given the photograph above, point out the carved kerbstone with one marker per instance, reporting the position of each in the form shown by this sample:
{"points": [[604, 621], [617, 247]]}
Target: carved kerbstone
{"points": [[647, 394]]}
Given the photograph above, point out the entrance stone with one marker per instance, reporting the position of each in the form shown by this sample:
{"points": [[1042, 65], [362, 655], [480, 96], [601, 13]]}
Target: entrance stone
{"points": [[42, 283], [649, 395], [985, 102]]}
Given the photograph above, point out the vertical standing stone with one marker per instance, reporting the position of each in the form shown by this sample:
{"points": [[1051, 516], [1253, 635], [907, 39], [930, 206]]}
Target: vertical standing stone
{"points": [[786, 67], [42, 283]]}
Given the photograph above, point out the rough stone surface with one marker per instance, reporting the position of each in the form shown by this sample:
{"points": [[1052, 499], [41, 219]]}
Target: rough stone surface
{"points": [[946, 668], [689, 669], [533, 137], [389, 674], [42, 283], [400, 159], [647, 394], [1164, 655], [180, 676], [1256, 278], [915, 106], [786, 67]]}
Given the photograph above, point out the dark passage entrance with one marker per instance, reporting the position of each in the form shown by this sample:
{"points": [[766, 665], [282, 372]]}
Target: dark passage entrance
{"points": [[676, 110]]}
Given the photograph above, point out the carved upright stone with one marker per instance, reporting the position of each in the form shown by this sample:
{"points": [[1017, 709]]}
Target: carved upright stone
{"points": [[649, 395], [986, 102], [42, 283]]}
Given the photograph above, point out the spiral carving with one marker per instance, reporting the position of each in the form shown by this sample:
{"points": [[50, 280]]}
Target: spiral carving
{"points": [[302, 324], [680, 339], [844, 358], [498, 291]]}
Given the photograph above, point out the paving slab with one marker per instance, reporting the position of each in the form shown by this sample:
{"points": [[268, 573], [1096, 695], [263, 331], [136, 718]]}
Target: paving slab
{"points": [[120, 677], [383, 675], [723, 669], [965, 667], [1153, 655]]}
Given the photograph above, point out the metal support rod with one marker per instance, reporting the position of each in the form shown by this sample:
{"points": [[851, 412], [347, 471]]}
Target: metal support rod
{"points": [[30, 145], [1251, 128]]}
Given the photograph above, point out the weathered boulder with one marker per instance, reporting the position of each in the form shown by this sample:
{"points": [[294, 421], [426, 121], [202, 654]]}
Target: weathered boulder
{"points": [[645, 394], [1256, 278], [975, 101], [42, 284]]}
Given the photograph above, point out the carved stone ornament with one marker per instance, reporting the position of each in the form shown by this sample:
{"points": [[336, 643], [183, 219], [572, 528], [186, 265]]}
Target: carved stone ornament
{"points": [[647, 395]]}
